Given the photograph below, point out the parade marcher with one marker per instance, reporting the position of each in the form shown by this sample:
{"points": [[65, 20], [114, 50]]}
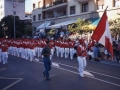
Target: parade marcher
{"points": [[4, 53], [71, 45], [46, 59], [118, 52], [52, 48], [57, 46], [81, 52], [0, 51], [66, 46], [62, 48]]}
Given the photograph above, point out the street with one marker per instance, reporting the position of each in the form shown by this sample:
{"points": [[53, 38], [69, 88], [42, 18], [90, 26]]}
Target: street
{"points": [[21, 74]]}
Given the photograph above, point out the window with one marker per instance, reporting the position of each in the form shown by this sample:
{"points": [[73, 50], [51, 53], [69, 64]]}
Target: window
{"points": [[34, 18], [39, 16], [116, 3], [72, 10], [39, 5], [85, 7], [33, 6], [100, 4]]}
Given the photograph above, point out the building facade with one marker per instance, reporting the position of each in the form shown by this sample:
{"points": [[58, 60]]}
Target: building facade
{"points": [[12, 7], [57, 11]]}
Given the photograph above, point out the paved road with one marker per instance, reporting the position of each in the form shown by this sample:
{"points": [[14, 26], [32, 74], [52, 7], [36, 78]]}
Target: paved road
{"points": [[20, 74]]}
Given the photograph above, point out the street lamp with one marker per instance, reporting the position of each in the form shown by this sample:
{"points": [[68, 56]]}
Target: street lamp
{"points": [[14, 13]]}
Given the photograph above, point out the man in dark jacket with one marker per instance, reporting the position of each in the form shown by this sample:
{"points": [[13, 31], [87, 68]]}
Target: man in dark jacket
{"points": [[46, 59]]}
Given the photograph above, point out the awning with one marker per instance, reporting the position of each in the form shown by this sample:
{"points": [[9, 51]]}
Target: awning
{"points": [[59, 25], [44, 25], [95, 22]]}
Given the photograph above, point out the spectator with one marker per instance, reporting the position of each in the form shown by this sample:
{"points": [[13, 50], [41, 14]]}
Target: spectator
{"points": [[96, 52], [102, 51]]}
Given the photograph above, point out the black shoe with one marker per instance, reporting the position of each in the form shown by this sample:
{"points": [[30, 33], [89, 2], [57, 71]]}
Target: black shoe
{"points": [[44, 75], [48, 79]]}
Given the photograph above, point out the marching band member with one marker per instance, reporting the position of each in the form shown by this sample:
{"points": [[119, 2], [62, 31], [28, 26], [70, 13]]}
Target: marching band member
{"points": [[62, 48], [81, 51], [4, 53], [52, 48], [66, 46], [57, 44], [0, 51], [71, 45]]}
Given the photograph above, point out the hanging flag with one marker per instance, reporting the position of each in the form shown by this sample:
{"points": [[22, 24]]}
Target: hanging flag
{"points": [[14, 5], [102, 34]]}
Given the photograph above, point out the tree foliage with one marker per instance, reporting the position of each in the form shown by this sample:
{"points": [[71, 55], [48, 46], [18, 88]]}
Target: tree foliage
{"points": [[115, 25], [79, 26], [51, 32], [7, 26], [28, 30]]}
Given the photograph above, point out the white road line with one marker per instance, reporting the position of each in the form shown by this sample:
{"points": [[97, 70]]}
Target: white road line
{"points": [[87, 76], [99, 62], [18, 80], [91, 71]]}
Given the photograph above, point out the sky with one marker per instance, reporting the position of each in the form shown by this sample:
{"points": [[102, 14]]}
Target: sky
{"points": [[28, 5]]}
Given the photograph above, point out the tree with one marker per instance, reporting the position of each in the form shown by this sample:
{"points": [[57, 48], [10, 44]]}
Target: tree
{"points": [[28, 30], [115, 26], [80, 26], [51, 32], [7, 26]]}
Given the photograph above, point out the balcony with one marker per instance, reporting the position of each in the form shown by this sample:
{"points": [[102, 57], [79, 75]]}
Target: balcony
{"points": [[81, 1], [54, 4]]}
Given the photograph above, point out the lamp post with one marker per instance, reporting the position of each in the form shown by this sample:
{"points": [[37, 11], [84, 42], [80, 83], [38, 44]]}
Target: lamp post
{"points": [[14, 26], [14, 13]]}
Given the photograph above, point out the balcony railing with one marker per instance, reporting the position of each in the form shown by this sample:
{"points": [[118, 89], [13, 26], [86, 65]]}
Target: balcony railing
{"points": [[54, 4]]}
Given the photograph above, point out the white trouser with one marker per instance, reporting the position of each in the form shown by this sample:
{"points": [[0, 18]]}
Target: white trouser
{"points": [[66, 52], [36, 51], [40, 52], [32, 54], [23, 53], [82, 64], [4, 57], [71, 52], [15, 51], [12, 50], [52, 52], [0, 54], [9, 50], [26, 53], [57, 50], [61, 51]]}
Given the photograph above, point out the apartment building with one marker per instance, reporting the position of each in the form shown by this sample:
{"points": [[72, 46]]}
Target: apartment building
{"points": [[12, 7], [48, 12]]}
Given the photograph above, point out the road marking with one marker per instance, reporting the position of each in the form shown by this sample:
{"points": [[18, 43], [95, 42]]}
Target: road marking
{"points": [[18, 80], [36, 59], [55, 64], [91, 71], [88, 76]]}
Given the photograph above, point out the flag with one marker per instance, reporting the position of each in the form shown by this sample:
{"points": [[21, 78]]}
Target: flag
{"points": [[102, 33], [14, 5]]}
